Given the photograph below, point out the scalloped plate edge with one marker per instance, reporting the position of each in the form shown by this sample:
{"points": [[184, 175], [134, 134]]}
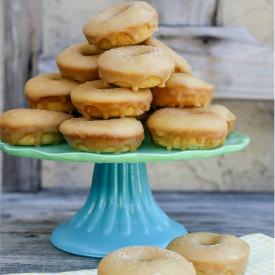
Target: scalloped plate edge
{"points": [[78, 156]]}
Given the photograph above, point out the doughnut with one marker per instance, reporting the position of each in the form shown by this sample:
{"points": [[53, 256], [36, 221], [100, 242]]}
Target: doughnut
{"points": [[137, 67], [122, 25], [50, 92], [213, 254], [98, 99], [183, 129], [31, 127], [224, 113], [142, 260], [79, 62], [181, 65], [103, 136], [183, 90]]}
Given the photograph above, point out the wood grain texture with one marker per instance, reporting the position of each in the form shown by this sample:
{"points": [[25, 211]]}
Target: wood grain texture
{"points": [[230, 58], [256, 16], [22, 46], [186, 12], [28, 220]]}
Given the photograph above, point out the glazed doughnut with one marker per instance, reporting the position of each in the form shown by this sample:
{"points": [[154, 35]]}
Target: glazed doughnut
{"points": [[213, 254], [137, 67], [122, 25], [79, 62], [31, 127], [224, 113], [183, 90], [142, 260], [50, 92], [181, 65], [103, 136], [183, 129], [98, 99]]}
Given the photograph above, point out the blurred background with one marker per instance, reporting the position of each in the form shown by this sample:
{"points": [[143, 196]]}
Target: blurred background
{"points": [[228, 43]]}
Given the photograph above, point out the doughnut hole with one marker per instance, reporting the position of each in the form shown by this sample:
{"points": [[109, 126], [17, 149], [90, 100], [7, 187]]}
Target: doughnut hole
{"points": [[211, 240], [80, 75], [102, 85], [125, 39], [142, 257]]}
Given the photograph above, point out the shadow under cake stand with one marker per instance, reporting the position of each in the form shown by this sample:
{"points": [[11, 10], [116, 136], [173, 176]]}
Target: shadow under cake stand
{"points": [[120, 209]]}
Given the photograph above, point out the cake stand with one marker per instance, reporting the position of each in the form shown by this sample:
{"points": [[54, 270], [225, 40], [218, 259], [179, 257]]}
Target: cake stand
{"points": [[120, 209]]}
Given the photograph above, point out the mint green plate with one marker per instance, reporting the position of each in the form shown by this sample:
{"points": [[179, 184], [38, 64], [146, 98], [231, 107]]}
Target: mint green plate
{"points": [[148, 152]]}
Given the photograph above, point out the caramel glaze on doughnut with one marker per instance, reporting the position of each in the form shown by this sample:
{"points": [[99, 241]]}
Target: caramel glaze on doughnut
{"points": [[31, 127], [122, 25], [183, 129], [137, 67], [79, 62], [183, 90], [213, 254], [103, 136], [141, 260], [102, 100], [224, 113], [181, 65], [50, 92]]}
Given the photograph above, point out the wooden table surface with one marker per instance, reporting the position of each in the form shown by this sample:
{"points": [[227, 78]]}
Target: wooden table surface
{"points": [[28, 220]]}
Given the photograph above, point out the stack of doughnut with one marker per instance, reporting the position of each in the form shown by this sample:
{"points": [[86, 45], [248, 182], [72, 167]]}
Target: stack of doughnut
{"points": [[108, 86], [199, 253]]}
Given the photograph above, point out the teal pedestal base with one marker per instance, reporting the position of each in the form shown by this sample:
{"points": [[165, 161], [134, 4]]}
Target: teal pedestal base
{"points": [[120, 211]]}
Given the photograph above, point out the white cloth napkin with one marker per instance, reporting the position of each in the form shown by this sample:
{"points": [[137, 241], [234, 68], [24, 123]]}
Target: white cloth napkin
{"points": [[261, 260]]}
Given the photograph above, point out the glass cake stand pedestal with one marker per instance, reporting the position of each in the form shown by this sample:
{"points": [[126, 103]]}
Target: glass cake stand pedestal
{"points": [[120, 209]]}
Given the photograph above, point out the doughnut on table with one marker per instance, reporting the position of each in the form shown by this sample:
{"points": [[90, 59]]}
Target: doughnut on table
{"points": [[120, 209]]}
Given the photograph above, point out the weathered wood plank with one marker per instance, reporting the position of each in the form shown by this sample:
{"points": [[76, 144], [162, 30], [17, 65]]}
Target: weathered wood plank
{"points": [[229, 58], [186, 12], [22, 46], [28, 220]]}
